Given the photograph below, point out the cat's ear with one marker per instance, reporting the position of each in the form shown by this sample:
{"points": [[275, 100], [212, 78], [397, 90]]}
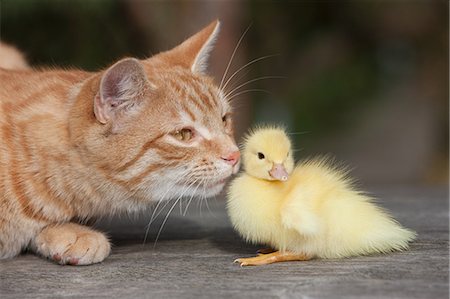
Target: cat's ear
{"points": [[121, 87], [194, 52]]}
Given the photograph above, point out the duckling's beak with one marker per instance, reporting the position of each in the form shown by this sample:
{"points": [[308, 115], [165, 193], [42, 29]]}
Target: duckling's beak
{"points": [[278, 172]]}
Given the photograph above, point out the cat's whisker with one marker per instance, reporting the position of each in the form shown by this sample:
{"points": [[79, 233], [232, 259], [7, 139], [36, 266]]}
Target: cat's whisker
{"points": [[193, 194], [245, 66], [238, 106], [160, 211], [187, 206], [165, 220], [207, 205], [170, 211], [199, 205], [189, 202], [298, 150], [299, 133], [251, 81], [247, 91], [154, 215], [237, 81], [203, 198], [167, 203], [232, 56], [204, 190]]}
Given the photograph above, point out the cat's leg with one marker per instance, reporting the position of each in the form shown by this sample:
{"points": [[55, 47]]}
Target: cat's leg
{"points": [[72, 244], [11, 243], [15, 233]]}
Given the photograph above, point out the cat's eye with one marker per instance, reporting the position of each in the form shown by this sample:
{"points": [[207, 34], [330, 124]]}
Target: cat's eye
{"points": [[226, 119], [183, 134], [261, 156]]}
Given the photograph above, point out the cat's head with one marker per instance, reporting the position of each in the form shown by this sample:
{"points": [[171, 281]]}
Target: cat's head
{"points": [[160, 128]]}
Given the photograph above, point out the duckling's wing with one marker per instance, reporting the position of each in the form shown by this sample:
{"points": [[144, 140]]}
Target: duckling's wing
{"points": [[296, 214]]}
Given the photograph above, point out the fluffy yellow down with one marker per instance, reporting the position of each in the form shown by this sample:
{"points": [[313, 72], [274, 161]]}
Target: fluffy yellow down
{"points": [[316, 212]]}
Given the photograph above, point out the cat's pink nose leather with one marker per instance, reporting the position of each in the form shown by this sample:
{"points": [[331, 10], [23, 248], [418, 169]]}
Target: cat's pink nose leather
{"points": [[232, 158]]}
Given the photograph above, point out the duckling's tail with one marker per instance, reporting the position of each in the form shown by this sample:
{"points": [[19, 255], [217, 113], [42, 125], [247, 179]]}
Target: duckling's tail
{"points": [[388, 235]]}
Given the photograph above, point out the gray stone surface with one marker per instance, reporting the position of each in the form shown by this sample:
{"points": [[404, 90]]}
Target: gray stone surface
{"points": [[193, 259]]}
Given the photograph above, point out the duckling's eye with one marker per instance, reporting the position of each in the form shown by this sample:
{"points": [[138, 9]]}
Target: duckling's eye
{"points": [[183, 134], [261, 156]]}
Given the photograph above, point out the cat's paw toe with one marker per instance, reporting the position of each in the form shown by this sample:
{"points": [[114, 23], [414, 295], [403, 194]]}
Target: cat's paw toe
{"points": [[88, 249]]}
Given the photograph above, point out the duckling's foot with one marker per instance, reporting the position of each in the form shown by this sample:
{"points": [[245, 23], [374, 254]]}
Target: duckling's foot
{"points": [[265, 251], [275, 257]]}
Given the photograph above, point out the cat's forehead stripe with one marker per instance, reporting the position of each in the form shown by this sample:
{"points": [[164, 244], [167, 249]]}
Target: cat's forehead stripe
{"points": [[192, 101], [199, 103], [198, 88], [189, 112], [200, 91]]}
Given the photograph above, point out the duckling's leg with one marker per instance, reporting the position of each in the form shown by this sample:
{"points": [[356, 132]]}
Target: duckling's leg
{"points": [[270, 258], [265, 251]]}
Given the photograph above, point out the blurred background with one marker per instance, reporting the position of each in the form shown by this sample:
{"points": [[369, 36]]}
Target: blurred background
{"points": [[365, 82]]}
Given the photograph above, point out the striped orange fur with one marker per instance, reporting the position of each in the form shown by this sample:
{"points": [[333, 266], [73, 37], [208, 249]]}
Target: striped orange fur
{"points": [[77, 145]]}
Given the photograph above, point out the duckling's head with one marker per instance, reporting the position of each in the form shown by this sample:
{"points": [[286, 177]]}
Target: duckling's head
{"points": [[267, 154]]}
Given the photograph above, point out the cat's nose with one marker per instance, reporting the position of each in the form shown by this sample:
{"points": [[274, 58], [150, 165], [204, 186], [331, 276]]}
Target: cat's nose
{"points": [[232, 158]]}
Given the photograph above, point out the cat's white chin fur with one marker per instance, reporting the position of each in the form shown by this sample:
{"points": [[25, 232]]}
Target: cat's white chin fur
{"points": [[215, 189]]}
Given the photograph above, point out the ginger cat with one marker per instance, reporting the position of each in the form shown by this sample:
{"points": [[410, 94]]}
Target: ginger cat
{"points": [[77, 145]]}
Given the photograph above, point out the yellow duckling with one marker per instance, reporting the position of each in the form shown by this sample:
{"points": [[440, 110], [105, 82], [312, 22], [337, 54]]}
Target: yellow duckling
{"points": [[310, 211]]}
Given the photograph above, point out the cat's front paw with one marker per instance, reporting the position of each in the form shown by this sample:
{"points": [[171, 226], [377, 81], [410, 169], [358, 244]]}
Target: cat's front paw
{"points": [[72, 244]]}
